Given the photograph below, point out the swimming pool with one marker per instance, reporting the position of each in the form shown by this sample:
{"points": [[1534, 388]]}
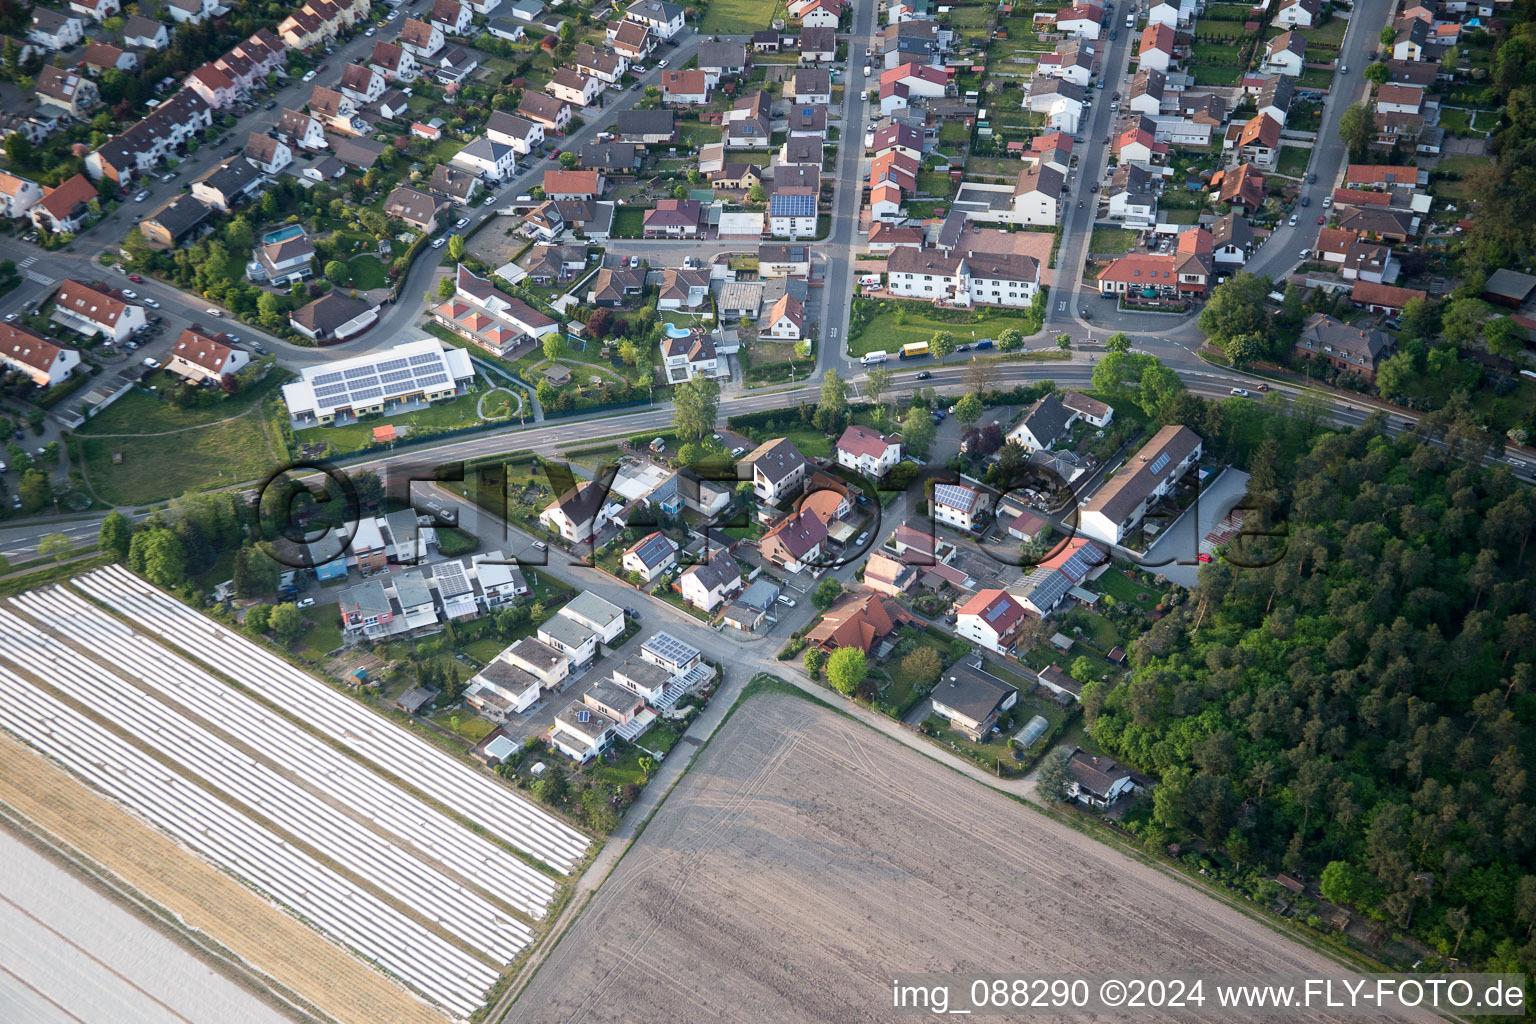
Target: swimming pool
{"points": [[282, 234], [677, 332]]}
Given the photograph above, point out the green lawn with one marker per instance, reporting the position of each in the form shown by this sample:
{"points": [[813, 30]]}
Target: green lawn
{"points": [[1330, 35], [628, 222], [625, 770], [138, 470], [937, 185], [1111, 241], [737, 16], [1456, 167], [368, 273], [1293, 160], [884, 333], [141, 412], [470, 725], [320, 639], [1457, 121], [483, 650], [1125, 590], [458, 412], [1315, 78], [698, 134]]}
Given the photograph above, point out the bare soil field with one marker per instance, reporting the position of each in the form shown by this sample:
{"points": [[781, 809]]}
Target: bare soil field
{"points": [[202, 897], [805, 861]]}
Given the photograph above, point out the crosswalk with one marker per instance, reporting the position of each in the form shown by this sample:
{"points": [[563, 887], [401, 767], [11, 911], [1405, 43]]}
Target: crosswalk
{"points": [[42, 279], [27, 262]]}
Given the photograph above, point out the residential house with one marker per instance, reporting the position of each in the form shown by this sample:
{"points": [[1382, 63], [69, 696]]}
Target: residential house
{"points": [[1345, 347], [616, 287], [66, 207], [783, 260], [333, 318], [1091, 410], [216, 87], [166, 225], [53, 30], [66, 91], [1037, 196], [1132, 197], [418, 209], [1138, 146], [785, 320], [749, 124], [691, 355], [990, 619], [664, 20], [17, 195], [960, 506], [1082, 21], [686, 289], [612, 158], [454, 184], [582, 733], [199, 357], [99, 57], [989, 278], [1231, 241], [867, 451], [487, 316], [282, 263], [1297, 14], [45, 362], [818, 45], [647, 127], [366, 610], [604, 65], [226, 183], [1151, 275], [889, 576], [500, 582], [706, 585], [1096, 781], [1043, 424], [335, 109], [520, 134], [1383, 298], [791, 215], [94, 310], [1258, 142], [795, 542], [631, 40], [1274, 97], [688, 86], [451, 16], [650, 556], [192, 11], [821, 13], [1054, 579], [809, 85], [602, 617], [573, 87], [1240, 187], [1156, 49], [552, 113], [395, 62], [1121, 502], [302, 130], [1073, 61], [421, 38], [859, 620], [361, 83], [1414, 41], [577, 514], [491, 160], [145, 33], [723, 59], [1285, 54], [267, 154], [972, 699], [1392, 98], [573, 185], [777, 470], [736, 177]]}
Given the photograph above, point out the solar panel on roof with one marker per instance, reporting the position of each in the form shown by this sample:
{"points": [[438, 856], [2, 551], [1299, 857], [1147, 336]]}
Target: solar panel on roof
{"points": [[394, 376], [1159, 462], [366, 394], [394, 364], [327, 378], [583, 716], [358, 371], [432, 381], [670, 648], [331, 392], [425, 358]]}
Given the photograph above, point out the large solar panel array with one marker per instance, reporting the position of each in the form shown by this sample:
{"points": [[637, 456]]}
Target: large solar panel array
{"points": [[388, 378], [669, 648]]}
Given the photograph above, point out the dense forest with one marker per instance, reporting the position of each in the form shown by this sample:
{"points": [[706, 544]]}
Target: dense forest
{"points": [[1360, 711]]}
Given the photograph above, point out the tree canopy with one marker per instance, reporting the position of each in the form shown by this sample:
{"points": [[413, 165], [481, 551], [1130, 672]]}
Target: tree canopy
{"points": [[696, 405]]}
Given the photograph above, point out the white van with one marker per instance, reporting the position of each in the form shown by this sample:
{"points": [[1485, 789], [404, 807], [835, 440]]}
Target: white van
{"points": [[873, 358], [871, 281]]}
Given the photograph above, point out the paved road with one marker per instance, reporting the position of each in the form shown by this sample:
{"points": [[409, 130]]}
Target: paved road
{"points": [[1280, 254]]}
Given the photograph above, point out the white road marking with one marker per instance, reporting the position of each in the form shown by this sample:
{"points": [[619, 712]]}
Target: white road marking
{"points": [[42, 279]]}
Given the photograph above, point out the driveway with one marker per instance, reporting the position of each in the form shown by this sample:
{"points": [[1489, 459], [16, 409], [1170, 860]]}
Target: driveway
{"points": [[1180, 543]]}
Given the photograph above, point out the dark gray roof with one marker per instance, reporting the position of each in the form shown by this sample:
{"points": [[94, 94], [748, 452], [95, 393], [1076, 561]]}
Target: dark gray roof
{"points": [[1095, 774], [971, 692], [720, 571], [178, 214], [1047, 419]]}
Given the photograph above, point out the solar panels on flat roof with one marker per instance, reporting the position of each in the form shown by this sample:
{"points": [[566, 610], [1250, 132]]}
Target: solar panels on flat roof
{"points": [[354, 372], [436, 378], [328, 378], [395, 364], [451, 580], [425, 358], [670, 648]]}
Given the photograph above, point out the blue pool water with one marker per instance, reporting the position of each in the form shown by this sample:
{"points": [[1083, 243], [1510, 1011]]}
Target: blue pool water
{"points": [[282, 234], [677, 332]]}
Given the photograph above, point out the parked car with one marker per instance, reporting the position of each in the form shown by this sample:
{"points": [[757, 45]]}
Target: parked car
{"points": [[151, 303], [130, 293], [1306, 200], [663, 62], [488, 200], [1292, 221], [1327, 202], [1322, 219], [143, 195], [462, 222], [269, 105], [309, 76], [308, 602], [152, 362], [786, 600], [554, 154], [218, 313], [10, 318], [437, 243], [135, 278]]}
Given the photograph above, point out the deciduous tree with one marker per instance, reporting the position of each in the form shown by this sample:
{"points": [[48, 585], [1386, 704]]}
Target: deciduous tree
{"points": [[846, 669]]}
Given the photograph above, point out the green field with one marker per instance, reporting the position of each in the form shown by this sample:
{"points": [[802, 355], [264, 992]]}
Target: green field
{"points": [[459, 412], [166, 451], [1293, 161], [883, 333], [1315, 78], [738, 16], [628, 222], [1458, 166], [368, 273], [1111, 241]]}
